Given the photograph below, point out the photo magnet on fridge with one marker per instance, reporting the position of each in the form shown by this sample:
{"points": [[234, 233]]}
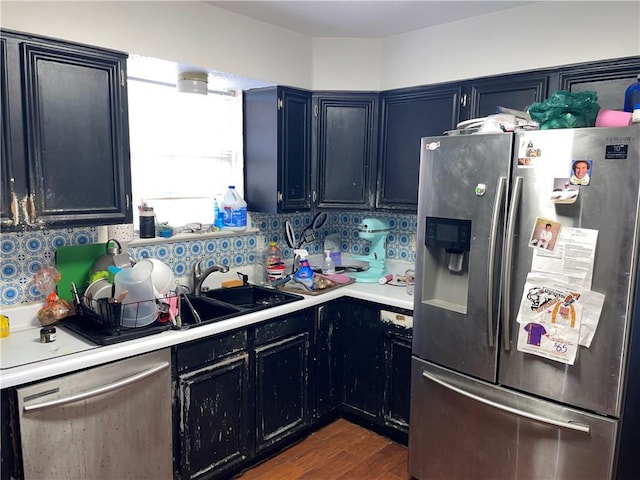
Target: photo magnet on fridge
{"points": [[580, 172], [545, 234]]}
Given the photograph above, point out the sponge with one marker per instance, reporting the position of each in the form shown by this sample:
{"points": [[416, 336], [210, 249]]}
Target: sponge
{"points": [[231, 283]]}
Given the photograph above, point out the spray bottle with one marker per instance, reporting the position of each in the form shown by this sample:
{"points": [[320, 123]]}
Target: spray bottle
{"points": [[304, 274]]}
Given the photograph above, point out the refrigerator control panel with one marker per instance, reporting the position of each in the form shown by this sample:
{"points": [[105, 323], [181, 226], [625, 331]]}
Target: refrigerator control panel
{"points": [[449, 233]]}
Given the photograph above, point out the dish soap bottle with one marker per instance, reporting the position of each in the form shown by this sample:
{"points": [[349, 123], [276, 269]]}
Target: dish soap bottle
{"points": [[327, 266], [304, 274]]}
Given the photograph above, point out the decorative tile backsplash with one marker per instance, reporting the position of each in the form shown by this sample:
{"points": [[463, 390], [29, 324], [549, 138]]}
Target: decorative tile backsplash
{"points": [[23, 253]]}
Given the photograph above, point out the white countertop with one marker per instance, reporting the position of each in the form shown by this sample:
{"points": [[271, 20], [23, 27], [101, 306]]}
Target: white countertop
{"points": [[35, 362]]}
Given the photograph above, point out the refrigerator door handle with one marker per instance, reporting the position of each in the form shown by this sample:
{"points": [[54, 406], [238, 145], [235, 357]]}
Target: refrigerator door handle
{"points": [[574, 426], [506, 263], [493, 238]]}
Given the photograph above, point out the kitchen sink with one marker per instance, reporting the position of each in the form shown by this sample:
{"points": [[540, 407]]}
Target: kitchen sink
{"points": [[251, 297], [207, 310]]}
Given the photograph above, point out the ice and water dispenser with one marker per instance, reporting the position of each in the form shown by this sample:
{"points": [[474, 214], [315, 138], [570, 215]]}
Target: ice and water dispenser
{"points": [[446, 263]]}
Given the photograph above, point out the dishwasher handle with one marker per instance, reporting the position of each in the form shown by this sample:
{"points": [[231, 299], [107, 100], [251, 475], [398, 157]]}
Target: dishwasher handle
{"points": [[99, 390], [575, 426]]}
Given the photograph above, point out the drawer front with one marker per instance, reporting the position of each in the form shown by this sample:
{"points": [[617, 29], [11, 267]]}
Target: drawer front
{"points": [[203, 352], [283, 327]]}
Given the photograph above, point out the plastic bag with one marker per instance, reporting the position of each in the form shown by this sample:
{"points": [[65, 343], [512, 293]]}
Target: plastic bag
{"points": [[566, 110], [46, 279], [54, 310]]}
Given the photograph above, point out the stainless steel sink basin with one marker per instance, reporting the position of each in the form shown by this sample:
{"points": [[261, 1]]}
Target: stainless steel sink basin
{"points": [[251, 297]]}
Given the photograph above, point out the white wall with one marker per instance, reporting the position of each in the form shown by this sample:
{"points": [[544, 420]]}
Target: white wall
{"points": [[347, 64], [522, 38], [190, 33]]}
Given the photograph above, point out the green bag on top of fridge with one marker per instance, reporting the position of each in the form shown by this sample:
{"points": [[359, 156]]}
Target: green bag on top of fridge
{"points": [[565, 109]]}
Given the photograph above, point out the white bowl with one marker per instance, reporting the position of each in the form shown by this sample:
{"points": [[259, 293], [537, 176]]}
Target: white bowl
{"points": [[161, 275]]}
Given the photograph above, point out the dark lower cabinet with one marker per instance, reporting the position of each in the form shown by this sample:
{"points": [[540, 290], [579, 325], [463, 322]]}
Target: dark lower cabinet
{"points": [[375, 359], [214, 418], [397, 391], [212, 414], [282, 377], [327, 374], [241, 396]]}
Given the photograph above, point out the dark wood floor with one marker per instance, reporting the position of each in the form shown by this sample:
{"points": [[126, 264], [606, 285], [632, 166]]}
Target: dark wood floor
{"points": [[339, 451]]}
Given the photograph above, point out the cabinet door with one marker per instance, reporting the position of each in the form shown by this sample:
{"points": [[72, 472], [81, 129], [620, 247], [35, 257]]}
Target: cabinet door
{"points": [[77, 136], [326, 373], [512, 91], [398, 381], [406, 116], [214, 427], [296, 149], [282, 374], [609, 79], [346, 129], [277, 149], [8, 196], [362, 338]]}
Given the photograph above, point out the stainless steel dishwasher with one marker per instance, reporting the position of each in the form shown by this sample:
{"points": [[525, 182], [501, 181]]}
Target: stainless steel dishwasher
{"points": [[109, 422]]}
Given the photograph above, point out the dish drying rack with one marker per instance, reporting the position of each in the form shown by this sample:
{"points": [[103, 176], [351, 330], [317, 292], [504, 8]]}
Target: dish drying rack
{"points": [[109, 314]]}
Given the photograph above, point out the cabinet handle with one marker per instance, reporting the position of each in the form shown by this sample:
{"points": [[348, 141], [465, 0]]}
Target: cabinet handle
{"points": [[102, 390], [280, 197], [122, 78], [280, 104], [463, 100], [315, 109], [128, 201], [314, 196]]}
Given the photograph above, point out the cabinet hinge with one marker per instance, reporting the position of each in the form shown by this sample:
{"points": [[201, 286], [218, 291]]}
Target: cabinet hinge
{"points": [[280, 104], [463, 100]]}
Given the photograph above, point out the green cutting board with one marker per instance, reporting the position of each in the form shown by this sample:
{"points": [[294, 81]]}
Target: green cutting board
{"points": [[74, 264]]}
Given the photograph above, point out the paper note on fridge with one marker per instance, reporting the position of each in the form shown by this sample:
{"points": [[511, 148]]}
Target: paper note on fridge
{"points": [[573, 259], [549, 319]]}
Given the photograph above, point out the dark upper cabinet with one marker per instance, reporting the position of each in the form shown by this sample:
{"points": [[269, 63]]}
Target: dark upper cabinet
{"points": [[482, 97], [406, 116], [8, 199], [277, 149], [609, 79], [345, 129], [65, 124]]}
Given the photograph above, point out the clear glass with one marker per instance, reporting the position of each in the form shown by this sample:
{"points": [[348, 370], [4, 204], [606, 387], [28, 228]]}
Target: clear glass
{"points": [[410, 280]]}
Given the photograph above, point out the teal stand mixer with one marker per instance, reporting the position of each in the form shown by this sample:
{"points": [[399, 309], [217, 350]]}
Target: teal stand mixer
{"points": [[375, 230]]}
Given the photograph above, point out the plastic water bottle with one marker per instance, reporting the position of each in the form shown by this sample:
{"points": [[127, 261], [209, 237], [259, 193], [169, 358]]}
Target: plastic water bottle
{"points": [[632, 96], [234, 210]]}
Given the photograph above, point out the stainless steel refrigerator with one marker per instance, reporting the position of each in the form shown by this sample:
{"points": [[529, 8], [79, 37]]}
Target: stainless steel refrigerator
{"points": [[480, 407]]}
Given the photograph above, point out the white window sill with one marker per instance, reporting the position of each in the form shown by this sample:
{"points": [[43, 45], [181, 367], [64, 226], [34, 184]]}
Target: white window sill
{"points": [[185, 237]]}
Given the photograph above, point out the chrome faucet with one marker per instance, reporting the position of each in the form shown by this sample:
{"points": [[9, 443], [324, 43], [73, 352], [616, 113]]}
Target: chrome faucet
{"points": [[199, 276]]}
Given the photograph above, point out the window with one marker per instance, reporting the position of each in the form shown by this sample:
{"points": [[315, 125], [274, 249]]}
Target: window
{"points": [[185, 149]]}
